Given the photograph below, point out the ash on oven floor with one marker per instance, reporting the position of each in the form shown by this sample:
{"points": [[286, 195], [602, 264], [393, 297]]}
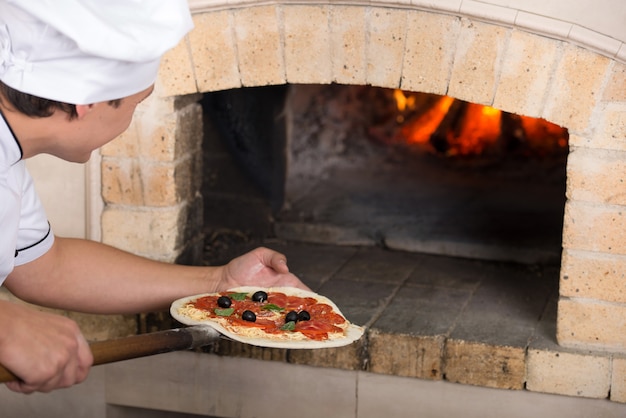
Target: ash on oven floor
{"points": [[511, 213]]}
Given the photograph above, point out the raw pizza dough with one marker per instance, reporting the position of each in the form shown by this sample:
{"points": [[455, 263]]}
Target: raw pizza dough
{"points": [[352, 332]]}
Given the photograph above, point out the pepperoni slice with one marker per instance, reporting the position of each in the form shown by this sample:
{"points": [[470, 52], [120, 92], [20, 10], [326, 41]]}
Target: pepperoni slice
{"points": [[297, 303], [206, 303], [260, 323], [316, 330], [245, 305], [278, 299]]}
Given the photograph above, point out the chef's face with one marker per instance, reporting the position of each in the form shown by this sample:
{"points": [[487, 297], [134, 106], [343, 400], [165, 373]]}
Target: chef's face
{"points": [[98, 124]]}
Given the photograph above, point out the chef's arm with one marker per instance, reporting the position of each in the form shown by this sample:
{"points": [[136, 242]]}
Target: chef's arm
{"points": [[87, 276]]}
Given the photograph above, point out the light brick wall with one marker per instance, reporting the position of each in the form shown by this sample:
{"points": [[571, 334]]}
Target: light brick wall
{"points": [[568, 374], [150, 180]]}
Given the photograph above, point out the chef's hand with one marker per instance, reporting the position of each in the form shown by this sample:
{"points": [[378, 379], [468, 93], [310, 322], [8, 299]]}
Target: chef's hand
{"points": [[260, 267], [44, 350]]}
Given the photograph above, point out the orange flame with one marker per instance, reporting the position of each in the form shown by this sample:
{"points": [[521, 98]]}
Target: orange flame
{"points": [[476, 130], [480, 129], [539, 128], [419, 130]]}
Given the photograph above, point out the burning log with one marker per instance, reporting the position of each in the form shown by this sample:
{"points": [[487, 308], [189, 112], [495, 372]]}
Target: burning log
{"points": [[450, 124], [512, 135], [456, 128]]}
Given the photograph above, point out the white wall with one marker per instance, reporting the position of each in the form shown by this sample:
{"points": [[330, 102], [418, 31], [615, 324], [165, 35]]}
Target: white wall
{"points": [[62, 189], [607, 17]]}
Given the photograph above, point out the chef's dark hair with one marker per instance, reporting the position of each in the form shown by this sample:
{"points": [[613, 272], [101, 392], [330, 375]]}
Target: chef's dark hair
{"points": [[38, 107]]}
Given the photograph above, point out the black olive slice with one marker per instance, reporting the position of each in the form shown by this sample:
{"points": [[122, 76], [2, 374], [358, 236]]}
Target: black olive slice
{"points": [[303, 316], [292, 316], [248, 316], [259, 296], [224, 302]]}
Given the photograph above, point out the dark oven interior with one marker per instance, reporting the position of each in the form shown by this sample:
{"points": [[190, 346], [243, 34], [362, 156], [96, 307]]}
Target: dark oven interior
{"points": [[367, 166]]}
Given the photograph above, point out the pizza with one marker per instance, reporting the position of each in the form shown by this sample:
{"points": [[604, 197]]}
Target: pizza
{"points": [[282, 317]]}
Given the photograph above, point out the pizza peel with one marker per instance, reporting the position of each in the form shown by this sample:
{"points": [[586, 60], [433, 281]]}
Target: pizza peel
{"points": [[195, 334], [142, 345]]}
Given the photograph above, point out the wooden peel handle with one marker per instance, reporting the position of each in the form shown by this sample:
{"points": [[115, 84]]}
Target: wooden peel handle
{"points": [[142, 345]]}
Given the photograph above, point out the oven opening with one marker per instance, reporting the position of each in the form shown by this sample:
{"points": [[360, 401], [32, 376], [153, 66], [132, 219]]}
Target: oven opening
{"points": [[368, 166]]}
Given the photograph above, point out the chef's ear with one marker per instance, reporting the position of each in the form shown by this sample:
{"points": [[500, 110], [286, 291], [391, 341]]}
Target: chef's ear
{"points": [[82, 110]]}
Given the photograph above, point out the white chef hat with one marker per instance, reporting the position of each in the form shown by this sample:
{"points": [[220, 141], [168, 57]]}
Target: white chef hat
{"points": [[87, 51]]}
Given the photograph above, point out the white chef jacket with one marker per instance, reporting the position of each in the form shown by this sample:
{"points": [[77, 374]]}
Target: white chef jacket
{"points": [[25, 233]]}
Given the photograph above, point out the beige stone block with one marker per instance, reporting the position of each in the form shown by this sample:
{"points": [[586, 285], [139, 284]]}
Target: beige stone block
{"points": [[593, 275], [406, 355], [104, 327], [130, 182], [260, 56], [307, 44], [160, 187], [121, 181], [589, 324], [157, 140], [430, 45], [350, 357], [176, 73], [161, 130], [594, 227], [526, 74], [570, 374], [477, 62], [236, 349], [347, 44], [611, 133], [213, 51], [616, 88], [596, 175], [580, 141], [618, 380], [169, 170], [385, 49], [125, 145], [152, 108], [146, 231], [575, 89], [152, 133], [475, 363]]}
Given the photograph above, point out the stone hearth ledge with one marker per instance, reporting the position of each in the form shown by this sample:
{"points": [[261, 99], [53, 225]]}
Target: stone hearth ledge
{"points": [[439, 318]]}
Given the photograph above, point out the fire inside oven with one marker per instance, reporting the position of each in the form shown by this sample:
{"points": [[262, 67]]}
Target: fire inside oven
{"points": [[361, 165]]}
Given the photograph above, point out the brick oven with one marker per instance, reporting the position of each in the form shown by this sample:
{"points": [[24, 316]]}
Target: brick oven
{"points": [[513, 60]]}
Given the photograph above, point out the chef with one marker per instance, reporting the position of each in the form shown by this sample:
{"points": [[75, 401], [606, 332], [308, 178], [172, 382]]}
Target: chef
{"points": [[71, 75]]}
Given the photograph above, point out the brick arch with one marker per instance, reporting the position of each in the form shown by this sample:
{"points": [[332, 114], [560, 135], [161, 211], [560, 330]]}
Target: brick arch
{"points": [[424, 51]]}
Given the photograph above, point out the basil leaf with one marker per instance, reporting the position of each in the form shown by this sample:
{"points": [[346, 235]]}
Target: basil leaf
{"points": [[224, 312], [272, 307], [289, 326], [238, 296]]}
